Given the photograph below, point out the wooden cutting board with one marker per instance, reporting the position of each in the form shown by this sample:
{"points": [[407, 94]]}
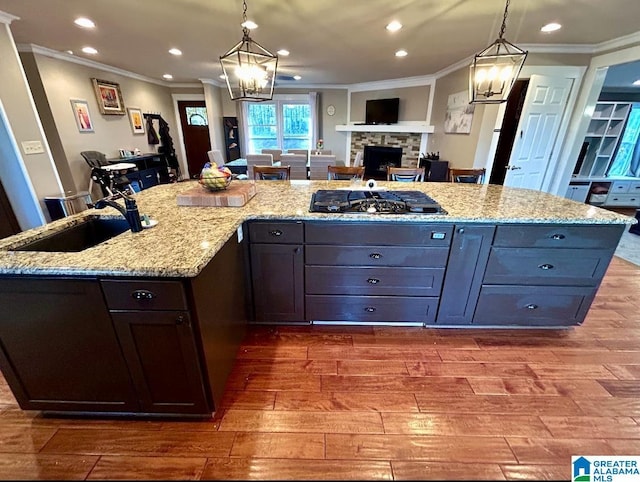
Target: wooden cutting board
{"points": [[237, 194]]}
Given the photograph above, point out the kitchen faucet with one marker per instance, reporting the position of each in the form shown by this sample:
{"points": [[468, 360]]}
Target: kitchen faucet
{"points": [[130, 211]]}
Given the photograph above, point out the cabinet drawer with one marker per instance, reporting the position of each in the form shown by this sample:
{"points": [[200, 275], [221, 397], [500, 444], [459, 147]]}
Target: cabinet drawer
{"points": [[553, 236], [375, 309], [634, 187], [144, 295], [584, 267], [532, 305], [632, 200], [346, 280], [377, 256], [619, 187], [282, 233], [380, 234]]}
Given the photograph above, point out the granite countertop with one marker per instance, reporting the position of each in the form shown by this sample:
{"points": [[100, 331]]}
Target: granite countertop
{"points": [[186, 238]]}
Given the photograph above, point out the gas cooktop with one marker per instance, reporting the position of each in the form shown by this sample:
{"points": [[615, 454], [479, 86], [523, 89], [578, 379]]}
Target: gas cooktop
{"points": [[381, 202]]}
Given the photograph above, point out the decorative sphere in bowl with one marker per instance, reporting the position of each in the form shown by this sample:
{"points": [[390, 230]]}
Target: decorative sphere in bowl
{"points": [[215, 178]]}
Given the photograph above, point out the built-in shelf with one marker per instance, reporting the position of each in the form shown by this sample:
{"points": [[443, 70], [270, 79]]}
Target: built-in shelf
{"points": [[417, 127]]}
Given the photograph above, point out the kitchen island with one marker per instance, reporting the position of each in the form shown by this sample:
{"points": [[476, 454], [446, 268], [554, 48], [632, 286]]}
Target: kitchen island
{"points": [[148, 323]]}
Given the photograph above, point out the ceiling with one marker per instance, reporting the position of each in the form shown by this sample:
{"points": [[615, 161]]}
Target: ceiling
{"points": [[331, 41]]}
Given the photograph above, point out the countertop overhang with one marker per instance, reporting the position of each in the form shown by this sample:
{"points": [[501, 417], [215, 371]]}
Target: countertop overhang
{"points": [[187, 238]]}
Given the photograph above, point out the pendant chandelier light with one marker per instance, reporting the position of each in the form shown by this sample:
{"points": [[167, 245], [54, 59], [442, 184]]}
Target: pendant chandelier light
{"points": [[249, 68], [495, 69]]}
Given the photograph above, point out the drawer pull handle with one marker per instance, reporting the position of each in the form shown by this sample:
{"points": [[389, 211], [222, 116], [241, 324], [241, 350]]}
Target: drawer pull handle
{"points": [[143, 295], [546, 266], [375, 256], [275, 232], [531, 306], [369, 309], [373, 281], [179, 320], [558, 236]]}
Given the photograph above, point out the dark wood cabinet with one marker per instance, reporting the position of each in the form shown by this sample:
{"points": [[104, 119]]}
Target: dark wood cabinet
{"points": [[276, 251], [160, 350], [277, 272], [468, 257], [59, 350], [156, 334], [544, 275]]}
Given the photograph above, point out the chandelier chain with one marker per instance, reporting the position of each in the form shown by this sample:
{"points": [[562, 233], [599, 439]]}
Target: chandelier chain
{"points": [[504, 20], [245, 30]]}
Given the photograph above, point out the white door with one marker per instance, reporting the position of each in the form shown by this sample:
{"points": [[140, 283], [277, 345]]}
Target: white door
{"points": [[537, 131]]}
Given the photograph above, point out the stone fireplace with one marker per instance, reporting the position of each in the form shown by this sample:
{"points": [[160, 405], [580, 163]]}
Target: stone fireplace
{"points": [[409, 142]]}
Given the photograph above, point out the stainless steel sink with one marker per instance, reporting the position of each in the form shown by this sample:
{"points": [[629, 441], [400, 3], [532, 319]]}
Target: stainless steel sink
{"points": [[79, 237]]}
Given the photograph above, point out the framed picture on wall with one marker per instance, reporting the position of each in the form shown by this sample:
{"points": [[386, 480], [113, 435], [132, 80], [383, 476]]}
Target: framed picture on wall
{"points": [[459, 114], [135, 119], [108, 96], [81, 114]]}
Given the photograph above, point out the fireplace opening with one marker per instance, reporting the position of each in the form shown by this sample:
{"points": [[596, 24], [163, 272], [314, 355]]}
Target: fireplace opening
{"points": [[376, 159]]}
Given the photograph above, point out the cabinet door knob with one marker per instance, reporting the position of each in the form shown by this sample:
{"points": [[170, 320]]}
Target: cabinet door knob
{"points": [[557, 236], [531, 306], [275, 232], [375, 256], [369, 309], [143, 295], [546, 266], [179, 320], [373, 281]]}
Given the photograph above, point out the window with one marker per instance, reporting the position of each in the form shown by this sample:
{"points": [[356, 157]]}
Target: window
{"points": [[623, 164], [278, 124], [196, 116]]}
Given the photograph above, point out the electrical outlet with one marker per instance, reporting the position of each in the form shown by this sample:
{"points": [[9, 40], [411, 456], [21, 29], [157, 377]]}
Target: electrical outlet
{"points": [[32, 147]]}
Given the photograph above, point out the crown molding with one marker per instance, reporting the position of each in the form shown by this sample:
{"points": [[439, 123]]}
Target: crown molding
{"points": [[559, 48], [618, 43], [7, 17], [417, 81], [89, 63]]}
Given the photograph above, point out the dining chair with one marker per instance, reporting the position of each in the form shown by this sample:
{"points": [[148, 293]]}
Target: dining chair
{"points": [[257, 160], [405, 174], [318, 165], [299, 151], [337, 173], [358, 160], [215, 155], [473, 176], [298, 164], [272, 173], [274, 152]]}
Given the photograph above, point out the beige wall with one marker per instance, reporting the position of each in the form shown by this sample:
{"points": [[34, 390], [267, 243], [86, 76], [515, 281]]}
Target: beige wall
{"points": [[64, 81], [413, 102], [458, 149], [19, 122]]}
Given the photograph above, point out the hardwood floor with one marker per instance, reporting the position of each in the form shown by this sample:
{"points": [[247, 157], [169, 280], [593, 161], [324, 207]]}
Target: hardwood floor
{"points": [[339, 402]]}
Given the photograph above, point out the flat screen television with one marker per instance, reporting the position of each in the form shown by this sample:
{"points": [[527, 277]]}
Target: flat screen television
{"points": [[382, 111]]}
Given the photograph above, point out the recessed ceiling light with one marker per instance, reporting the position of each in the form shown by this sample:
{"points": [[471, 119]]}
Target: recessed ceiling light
{"points": [[70, 52], [637, 82], [84, 22], [401, 53], [283, 52], [89, 50], [249, 24], [297, 77], [222, 76], [394, 26], [551, 27], [175, 51], [168, 76]]}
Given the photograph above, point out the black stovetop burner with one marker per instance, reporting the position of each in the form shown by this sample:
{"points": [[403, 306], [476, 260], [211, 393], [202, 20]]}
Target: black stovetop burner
{"points": [[383, 202]]}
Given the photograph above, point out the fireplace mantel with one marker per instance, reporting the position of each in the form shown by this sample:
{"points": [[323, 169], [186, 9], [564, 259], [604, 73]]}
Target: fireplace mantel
{"points": [[412, 127]]}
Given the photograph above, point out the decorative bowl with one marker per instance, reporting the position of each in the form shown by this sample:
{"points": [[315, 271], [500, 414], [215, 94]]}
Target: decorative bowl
{"points": [[219, 183]]}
